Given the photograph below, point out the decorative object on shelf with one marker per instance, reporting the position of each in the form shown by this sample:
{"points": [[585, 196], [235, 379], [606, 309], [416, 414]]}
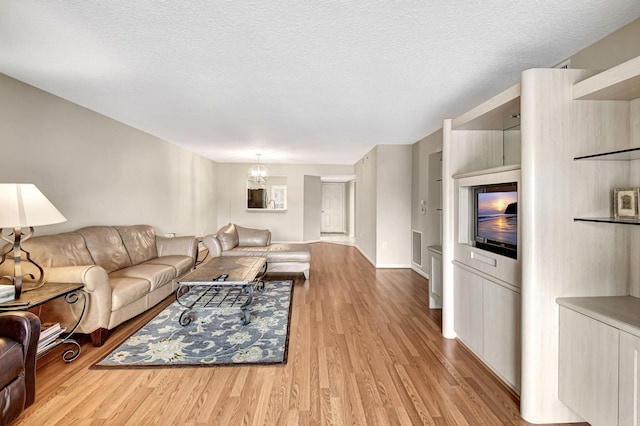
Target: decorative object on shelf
{"points": [[23, 206], [625, 203], [258, 175]]}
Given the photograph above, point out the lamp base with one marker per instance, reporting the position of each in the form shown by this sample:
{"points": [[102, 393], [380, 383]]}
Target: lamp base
{"points": [[18, 237]]}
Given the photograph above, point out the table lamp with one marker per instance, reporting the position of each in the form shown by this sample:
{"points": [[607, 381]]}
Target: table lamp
{"points": [[23, 206]]}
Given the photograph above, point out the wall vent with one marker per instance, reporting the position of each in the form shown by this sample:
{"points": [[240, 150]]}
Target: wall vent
{"points": [[416, 251]]}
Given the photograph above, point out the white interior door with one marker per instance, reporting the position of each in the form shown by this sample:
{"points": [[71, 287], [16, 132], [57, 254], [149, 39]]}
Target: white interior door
{"points": [[332, 208]]}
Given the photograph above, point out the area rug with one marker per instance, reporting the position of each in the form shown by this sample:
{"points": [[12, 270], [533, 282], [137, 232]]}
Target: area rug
{"points": [[213, 338]]}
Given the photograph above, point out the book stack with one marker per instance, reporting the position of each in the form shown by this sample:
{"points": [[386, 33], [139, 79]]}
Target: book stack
{"points": [[49, 332], [7, 292]]}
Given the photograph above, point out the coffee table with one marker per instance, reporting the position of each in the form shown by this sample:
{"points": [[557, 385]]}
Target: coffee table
{"points": [[221, 283]]}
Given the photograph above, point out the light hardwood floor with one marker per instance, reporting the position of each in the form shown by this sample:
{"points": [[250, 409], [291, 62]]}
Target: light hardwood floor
{"points": [[364, 349]]}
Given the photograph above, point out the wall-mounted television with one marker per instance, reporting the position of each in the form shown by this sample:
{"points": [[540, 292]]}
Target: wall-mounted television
{"points": [[496, 218]]}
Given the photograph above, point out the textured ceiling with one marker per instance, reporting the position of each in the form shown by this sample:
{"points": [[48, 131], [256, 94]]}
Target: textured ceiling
{"points": [[307, 82]]}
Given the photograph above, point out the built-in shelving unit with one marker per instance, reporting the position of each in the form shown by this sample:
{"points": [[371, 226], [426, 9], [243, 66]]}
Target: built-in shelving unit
{"points": [[561, 139], [498, 113], [481, 290], [487, 171], [620, 83], [601, 386]]}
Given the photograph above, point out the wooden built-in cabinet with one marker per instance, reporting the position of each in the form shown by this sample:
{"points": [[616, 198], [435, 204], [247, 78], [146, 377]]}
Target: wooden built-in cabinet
{"points": [[599, 337], [568, 118], [487, 318], [435, 277], [485, 287], [599, 355]]}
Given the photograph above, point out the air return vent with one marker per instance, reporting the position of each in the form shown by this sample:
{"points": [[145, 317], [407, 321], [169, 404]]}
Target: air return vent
{"points": [[416, 252]]}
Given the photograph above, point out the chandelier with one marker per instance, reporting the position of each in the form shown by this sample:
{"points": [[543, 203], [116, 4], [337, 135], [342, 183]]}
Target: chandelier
{"points": [[258, 174]]}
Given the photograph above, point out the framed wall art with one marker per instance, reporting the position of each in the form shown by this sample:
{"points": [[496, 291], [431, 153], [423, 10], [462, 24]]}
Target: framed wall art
{"points": [[625, 203]]}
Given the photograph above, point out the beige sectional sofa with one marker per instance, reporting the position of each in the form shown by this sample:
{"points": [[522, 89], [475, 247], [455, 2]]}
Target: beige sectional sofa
{"points": [[125, 271], [234, 240]]}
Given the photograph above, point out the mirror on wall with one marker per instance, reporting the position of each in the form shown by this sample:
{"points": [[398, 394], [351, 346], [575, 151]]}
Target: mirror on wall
{"points": [[271, 195]]}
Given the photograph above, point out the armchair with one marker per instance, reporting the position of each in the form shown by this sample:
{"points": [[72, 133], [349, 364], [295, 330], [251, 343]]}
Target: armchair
{"points": [[19, 333]]}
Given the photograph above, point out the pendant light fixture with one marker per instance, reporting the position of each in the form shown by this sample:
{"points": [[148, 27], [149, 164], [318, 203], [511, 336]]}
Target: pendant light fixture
{"points": [[258, 174]]}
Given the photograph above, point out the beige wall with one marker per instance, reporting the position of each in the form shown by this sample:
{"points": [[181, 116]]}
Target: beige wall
{"points": [[393, 231], [284, 226], [96, 170], [312, 208], [383, 205], [366, 212]]}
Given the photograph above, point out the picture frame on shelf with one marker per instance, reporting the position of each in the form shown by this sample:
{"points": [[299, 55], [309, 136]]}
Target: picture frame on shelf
{"points": [[625, 203]]}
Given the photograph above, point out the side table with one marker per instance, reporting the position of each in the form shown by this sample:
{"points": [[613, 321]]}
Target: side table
{"points": [[30, 299]]}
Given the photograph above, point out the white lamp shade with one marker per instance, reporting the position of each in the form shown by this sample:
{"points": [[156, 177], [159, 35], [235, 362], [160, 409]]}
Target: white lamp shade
{"points": [[23, 205]]}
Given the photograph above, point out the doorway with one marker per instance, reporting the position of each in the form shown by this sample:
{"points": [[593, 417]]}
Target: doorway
{"points": [[333, 208]]}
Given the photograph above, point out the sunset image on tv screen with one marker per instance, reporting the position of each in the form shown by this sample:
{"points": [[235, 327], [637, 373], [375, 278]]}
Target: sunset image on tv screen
{"points": [[498, 216]]}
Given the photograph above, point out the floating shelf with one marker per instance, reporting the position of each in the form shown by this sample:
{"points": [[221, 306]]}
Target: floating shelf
{"points": [[621, 155], [608, 220], [620, 83]]}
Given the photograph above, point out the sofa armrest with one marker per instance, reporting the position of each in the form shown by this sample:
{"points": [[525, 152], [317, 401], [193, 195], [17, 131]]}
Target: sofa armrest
{"points": [[213, 245], [24, 327], [99, 294], [185, 246], [94, 277]]}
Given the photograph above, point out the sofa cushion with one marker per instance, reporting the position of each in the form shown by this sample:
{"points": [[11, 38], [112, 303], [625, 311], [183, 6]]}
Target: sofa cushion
{"points": [[181, 264], [228, 237], [140, 242], [106, 247], [251, 237], [289, 253], [67, 249], [127, 290], [157, 275]]}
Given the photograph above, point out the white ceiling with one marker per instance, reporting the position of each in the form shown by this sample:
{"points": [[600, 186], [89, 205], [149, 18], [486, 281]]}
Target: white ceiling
{"points": [[306, 82]]}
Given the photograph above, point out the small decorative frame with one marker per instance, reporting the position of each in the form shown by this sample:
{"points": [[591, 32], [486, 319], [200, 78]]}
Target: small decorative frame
{"points": [[625, 203]]}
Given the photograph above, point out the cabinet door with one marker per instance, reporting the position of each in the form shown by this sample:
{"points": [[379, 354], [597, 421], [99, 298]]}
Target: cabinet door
{"points": [[501, 308], [588, 367], [468, 315], [629, 398], [435, 281]]}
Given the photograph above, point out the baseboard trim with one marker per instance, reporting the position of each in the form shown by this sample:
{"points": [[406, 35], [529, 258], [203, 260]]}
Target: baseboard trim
{"points": [[420, 272], [365, 255], [393, 266]]}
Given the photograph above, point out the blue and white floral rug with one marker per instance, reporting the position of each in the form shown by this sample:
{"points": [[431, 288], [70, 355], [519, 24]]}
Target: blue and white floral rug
{"points": [[212, 338]]}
